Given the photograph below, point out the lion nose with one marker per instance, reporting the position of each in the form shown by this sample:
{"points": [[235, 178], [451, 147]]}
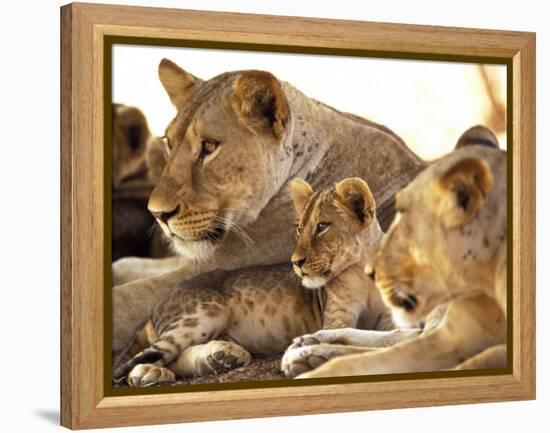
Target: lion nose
{"points": [[165, 216], [299, 262]]}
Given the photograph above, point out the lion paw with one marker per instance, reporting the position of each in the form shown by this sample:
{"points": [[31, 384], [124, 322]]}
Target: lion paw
{"points": [[328, 336], [143, 375], [302, 359], [224, 355]]}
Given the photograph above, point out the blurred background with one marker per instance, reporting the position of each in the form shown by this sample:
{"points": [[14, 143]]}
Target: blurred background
{"points": [[429, 104]]}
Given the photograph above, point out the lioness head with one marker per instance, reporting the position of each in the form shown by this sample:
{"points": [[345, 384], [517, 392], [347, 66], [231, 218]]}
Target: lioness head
{"points": [[328, 228], [225, 157], [450, 221], [129, 141]]}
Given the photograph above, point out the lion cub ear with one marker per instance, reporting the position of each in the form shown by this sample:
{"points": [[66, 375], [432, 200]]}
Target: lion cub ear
{"points": [[461, 191], [259, 98], [354, 194], [176, 82], [300, 191]]}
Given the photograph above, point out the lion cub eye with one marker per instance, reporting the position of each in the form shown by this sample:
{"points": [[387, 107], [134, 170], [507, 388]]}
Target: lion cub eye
{"points": [[298, 229], [322, 228], [208, 147]]}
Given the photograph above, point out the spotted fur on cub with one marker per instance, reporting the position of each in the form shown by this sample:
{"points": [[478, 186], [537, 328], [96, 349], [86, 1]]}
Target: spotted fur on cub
{"points": [[262, 309], [233, 147]]}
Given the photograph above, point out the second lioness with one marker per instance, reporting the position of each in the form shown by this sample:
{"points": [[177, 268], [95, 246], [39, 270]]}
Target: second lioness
{"points": [[262, 309]]}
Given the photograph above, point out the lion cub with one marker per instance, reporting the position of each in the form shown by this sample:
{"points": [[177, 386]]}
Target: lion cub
{"points": [[447, 244], [261, 309]]}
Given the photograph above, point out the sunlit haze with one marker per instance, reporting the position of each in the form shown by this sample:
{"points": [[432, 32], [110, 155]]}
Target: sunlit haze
{"points": [[429, 104]]}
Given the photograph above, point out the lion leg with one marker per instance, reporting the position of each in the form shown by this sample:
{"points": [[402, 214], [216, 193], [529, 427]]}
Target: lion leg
{"points": [[144, 375], [297, 361], [494, 357], [306, 358], [129, 269], [344, 305], [311, 350], [213, 356], [202, 321], [148, 366], [133, 302], [471, 325], [356, 337]]}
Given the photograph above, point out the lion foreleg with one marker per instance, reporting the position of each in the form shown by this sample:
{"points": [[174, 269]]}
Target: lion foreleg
{"points": [[133, 302], [494, 357], [470, 326], [129, 269], [306, 358], [414, 355], [211, 357], [356, 337]]}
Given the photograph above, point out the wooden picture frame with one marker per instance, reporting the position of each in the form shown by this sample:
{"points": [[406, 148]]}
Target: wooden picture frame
{"points": [[85, 33]]}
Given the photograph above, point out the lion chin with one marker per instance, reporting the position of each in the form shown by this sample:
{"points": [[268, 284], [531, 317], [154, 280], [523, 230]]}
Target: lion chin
{"points": [[198, 251], [315, 282]]}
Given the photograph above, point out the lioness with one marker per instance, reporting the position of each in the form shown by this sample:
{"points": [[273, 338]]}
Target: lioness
{"points": [[131, 221], [447, 243], [235, 143], [130, 134], [261, 309]]}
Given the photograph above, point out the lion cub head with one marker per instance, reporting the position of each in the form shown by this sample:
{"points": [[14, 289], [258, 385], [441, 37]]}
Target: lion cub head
{"points": [[330, 228], [225, 155], [447, 235]]}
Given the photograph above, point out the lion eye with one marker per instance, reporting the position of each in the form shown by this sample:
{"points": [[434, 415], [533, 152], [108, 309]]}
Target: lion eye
{"points": [[208, 147], [322, 227], [298, 230]]}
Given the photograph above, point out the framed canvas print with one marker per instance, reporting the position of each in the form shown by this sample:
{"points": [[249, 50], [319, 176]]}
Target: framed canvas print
{"points": [[265, 215]]}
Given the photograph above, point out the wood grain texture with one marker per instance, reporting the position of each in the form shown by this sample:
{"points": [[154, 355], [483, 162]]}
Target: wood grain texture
{"points": [[67, 394], [83, 400], [524, 215]]}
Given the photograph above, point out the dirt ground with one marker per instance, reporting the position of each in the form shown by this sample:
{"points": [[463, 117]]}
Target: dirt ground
{"points": [[262, 367]]}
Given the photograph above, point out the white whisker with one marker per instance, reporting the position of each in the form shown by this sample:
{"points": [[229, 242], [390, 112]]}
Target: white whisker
{"points": [[231, 226]]}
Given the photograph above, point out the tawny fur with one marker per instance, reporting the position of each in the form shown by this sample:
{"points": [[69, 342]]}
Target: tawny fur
{"points": [[425, 262], [262, 309], [230, 210]]}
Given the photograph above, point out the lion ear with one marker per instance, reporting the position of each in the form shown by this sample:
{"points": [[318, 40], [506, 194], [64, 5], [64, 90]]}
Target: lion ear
{"points": [[354, 194], [259, 98], [477, 135], [133, 123], [461, 191], [300, 191], [176, 82]]}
